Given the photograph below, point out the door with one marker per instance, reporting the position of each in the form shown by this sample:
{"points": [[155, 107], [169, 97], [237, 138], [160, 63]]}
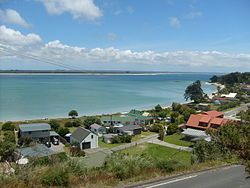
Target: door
{"points": [[85, 145]]}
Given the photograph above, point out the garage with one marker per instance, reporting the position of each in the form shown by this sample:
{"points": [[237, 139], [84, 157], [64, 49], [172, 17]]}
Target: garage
{"points": [[85, 145]]}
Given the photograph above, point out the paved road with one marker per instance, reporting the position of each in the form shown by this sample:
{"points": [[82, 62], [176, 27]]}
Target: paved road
{"points": [[227, 177], [232, 113], [166, 144]]}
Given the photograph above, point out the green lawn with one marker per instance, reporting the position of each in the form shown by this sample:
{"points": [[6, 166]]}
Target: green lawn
{"points": [[177, 140], [142, 135], [160, 152], [105, 145]]}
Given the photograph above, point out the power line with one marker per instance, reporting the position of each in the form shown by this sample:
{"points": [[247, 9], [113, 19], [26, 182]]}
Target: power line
{"points": [[37, 58]]}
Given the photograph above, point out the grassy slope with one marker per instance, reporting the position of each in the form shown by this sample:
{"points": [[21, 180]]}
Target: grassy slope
{"points": [[160, 152], [176, 139]]}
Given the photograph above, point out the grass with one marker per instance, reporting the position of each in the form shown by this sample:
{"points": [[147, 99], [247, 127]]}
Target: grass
{"points": [[159, 152], [106, 145], [177, 139], [142, 135]]}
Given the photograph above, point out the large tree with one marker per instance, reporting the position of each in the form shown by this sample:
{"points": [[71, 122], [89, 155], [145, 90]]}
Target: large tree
{"points": [[194, 92], [73, 113]]}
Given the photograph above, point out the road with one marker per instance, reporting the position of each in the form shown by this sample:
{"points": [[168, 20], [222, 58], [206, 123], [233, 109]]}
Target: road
{"points": [[227, 177], [232, 113]]}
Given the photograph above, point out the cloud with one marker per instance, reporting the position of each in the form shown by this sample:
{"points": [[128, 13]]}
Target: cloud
{"points": [[13, 17], [77, 8], [104, 57], [194, 14], [174, 22], [111, 36]]}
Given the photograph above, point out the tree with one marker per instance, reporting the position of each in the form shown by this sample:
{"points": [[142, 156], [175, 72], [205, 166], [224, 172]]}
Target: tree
{"points": [[91, 120], [172, 128], [62, 131], [194, 92], [68, 124], [156, 127], [73, 114], [161, 134], [54, 124], [77, 123], [158, 108], [174, 116], [7, 150], [8, 126]]}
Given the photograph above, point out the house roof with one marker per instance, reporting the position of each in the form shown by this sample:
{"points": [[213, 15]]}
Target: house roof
{"points": [[109, 135], [210, 117], [34, 127], [213, 113], [194, 133], [95, 126], [53, 133], [80, 134], [129, 127]]}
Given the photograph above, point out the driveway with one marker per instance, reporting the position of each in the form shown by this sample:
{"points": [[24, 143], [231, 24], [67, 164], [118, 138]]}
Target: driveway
{"points": [[57, 148]]}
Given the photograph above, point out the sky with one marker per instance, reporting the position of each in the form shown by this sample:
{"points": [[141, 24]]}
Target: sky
{"points": [[141, 35]]}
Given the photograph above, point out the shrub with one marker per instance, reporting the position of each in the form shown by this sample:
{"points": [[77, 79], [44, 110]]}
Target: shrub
{"points": [[55, 176], [122, 139], [62, 131], [25, 141], [169, 165], [76, 151], [156, 127], [68, 124], [8, 126], [54, 124], [77, 123], [91, 120], [172, 128], [9, 136], [77, 166]]}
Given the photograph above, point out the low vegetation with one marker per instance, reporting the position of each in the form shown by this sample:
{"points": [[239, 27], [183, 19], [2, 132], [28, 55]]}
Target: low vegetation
{"points": [[177, 139]]}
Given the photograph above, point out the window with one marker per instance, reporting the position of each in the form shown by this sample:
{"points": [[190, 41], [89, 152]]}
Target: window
{"points": [[92, 136]]}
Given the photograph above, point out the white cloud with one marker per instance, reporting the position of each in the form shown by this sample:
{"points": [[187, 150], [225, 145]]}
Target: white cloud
{"points": [[174, 22], [194, 14], [77, 8], [59, 52], [13, 17]]}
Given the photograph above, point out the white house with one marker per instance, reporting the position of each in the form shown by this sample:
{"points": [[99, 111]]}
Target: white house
{"points": [[97, 129], [230, 95], [85, 138]]}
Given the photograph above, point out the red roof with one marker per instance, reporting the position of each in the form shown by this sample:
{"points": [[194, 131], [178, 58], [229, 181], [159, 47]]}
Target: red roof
{"points": [[210, 117]]}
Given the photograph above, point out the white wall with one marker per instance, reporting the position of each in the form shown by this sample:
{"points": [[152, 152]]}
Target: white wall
{"points": [[93, 141]]}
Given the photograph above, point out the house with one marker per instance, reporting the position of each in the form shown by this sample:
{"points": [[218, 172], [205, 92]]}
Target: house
{"points": [[194, 135], [85, 138], [129, 130], [202, 121], [97, 129], [230, 95], [107, 138], [134, 117], [37, 131]]}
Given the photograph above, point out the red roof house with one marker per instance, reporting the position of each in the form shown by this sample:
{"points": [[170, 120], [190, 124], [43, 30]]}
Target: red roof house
{"points": [[210, 119]]}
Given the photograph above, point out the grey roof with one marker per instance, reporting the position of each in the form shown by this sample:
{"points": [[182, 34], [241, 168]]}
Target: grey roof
{"points": [[53, 133], [129, 127], [109, 135], [194, 133], [95, 126], [34, 127], [80, 134], [38, 150]]}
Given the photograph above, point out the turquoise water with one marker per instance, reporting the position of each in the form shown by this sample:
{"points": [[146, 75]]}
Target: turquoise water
{"points": [[39, 96]]}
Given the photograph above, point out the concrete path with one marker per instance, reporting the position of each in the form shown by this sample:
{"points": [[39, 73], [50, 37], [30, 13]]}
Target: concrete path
{"points": [[231, 114], [166, 144]]}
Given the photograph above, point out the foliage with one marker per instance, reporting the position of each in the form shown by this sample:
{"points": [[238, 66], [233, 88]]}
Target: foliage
{"points": [[174, 116], [25, 141], [7, 149], [76, 151], [49, 160], [73, 113], [127, 166], [8, 126], [121, 139], [55, 176], [169, 165], [172, 128], [54, 124], [232, 78], [77, 123], [158, 108], [9, 136], [228, 106], [194, 92], [156, 127], [77, 166], [68, 124], [161, 134], [162, 114], [62, 131], [207, 151], [91, 120]]}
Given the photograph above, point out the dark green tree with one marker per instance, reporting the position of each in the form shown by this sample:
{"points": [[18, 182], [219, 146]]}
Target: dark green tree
{"points": [[172, 128], [91, 120], [62, 131], [8, 126], [54, 124], [7, 149], [194, 92], [158, 108], [161, 134], [73, 114]]}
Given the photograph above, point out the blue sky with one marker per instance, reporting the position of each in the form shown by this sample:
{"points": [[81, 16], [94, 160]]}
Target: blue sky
{"points": [[170, 35]]}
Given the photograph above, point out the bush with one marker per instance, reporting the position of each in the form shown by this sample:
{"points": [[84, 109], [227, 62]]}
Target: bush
{"points": [[25, 141], [122, 139], [77, 166], [8, 126], [169, 165], [172, 128], [54, 124], [55, 176], [228, 105], [77, 123], [9, 136], [68, 124], [156, 128], [91, 120], [62, 131]]}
